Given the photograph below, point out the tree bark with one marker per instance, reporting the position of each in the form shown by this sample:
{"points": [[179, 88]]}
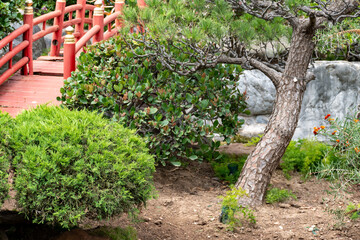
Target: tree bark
{"points": [[267, 154]]}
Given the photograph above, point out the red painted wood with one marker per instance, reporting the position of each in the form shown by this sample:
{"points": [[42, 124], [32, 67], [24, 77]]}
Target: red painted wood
{"points": [[9, 55], [14, 68], [72, 8], [141, 3], [10, 49], [111, 18], [80, 14], [98, 20], [49, 68], [71, 22], [59, 21], [47, 16], [24, 92], [50, 58], [118, 8], [6, 40], [28, 51], [45, 32], [87, 36], [69, 59]]}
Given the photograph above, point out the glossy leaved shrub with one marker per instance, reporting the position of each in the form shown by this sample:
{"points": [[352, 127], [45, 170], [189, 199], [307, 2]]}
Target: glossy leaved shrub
{"points": [[5, 155], [75, 164], [178, 115], [9, 14]]}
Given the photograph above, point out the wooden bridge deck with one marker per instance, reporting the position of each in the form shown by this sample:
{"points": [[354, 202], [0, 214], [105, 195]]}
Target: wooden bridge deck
{"points": [[23, 92]]}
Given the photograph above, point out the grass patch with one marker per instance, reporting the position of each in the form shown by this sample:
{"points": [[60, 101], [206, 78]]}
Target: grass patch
{"points": [[274, 195]]}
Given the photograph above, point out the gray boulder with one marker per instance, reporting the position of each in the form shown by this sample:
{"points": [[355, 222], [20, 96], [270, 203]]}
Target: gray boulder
{"points": [[335, 91], [260, 92]]}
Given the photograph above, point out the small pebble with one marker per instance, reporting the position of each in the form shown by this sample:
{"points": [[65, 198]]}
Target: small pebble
{"points": [[158, 222], [284, 205], [312, 228]]}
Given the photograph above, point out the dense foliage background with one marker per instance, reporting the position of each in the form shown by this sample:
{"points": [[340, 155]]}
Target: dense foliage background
{"points": [[9, 14], [178, 115]]}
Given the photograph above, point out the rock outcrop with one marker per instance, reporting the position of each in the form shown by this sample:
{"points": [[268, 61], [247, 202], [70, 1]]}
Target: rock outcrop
{"points": [[335, 91]]}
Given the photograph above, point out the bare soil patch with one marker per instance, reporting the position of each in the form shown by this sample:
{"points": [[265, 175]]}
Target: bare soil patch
{"points": [[188, 207]]}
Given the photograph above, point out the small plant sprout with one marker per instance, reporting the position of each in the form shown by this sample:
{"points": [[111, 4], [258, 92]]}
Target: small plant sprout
{"points": [[231, 213]]}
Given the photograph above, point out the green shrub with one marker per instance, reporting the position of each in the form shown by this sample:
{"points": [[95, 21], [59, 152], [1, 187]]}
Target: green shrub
{"points": [[254, 140], [274, 195], [304, 156], [228, 167], [353, 211], [240, 139], [338, 43], [178, 115], [9, 14], [5, 155], [231, 213], [75, 164]]}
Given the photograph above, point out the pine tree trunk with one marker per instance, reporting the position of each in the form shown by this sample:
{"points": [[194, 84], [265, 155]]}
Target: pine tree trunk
{"points": [[267, 154]]}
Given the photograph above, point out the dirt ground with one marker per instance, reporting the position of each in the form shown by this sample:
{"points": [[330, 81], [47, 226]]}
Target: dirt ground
{"points": [[188, 207]]}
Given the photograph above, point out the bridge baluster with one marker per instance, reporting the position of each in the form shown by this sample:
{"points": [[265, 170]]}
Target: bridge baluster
{"points": [[98, 19], [27, 36], [119, 5], [80, 14], [141, 3], [69, 52], [59, 21]]}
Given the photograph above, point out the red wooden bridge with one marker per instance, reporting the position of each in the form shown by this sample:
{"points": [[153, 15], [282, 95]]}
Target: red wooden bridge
{"points": [[27, 82]]}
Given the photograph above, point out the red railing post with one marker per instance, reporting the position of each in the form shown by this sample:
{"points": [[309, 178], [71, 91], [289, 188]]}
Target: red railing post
{"points": [[98, 19], [27, 36], [59, 21], [80, 14], [69, 52], [141, 3], [119, 5]]}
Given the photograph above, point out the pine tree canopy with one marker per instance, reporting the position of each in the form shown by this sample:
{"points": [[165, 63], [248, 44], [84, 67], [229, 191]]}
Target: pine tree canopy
{"points": [[209, 30]]}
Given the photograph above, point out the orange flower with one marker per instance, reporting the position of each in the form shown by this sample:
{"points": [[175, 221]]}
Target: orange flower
{"points": [[322, 127], [356, 120], [333, 132], [337, 140], [356, 150], [316, 129], [327, 116], [331, 119]]}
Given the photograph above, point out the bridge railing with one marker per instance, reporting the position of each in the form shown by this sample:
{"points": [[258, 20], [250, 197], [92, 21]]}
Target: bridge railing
{"points": [[85, 14], [96, 33]]}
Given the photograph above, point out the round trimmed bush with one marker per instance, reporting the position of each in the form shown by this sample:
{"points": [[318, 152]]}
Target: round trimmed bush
{"points": [[5, 125], [76, 164]]}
